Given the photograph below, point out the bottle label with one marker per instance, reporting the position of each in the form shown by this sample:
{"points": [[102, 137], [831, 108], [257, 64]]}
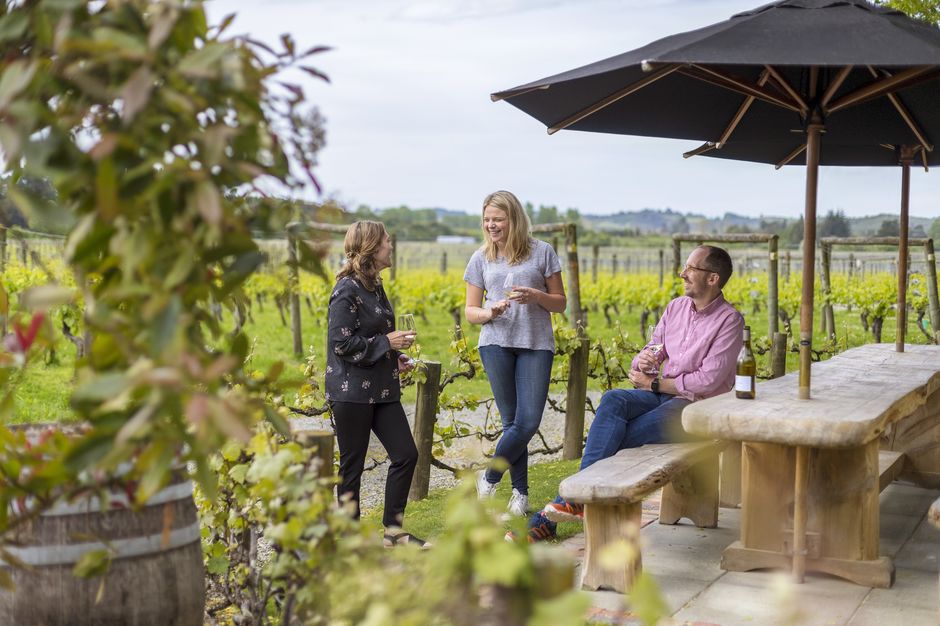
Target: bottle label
{"points": [[743, 383]]}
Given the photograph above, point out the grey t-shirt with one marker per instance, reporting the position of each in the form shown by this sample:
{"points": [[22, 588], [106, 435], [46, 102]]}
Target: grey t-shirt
{"points": [[521, 325]]}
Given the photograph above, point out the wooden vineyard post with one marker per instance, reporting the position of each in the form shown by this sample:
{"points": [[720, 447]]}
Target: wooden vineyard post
{"points": [[574, 406], [293, 284], [773, 289], [444, 262], [394, 239], [595, 252], [322, 440], [829, 323], [676, 256], [577, 366], [932, 299], [425, 417], [613, 262], [778, 355], [662, 266]]}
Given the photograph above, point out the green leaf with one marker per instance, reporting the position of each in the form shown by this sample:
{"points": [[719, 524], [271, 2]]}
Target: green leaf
{"points": [[88, 450], [62, 5], [46, 296], [13, 25], [238, 472], [100, 388], [165, 326], [217, 565], [94, 563], [136, 93], [231, 450], [277, 420], [646, 600], [204, 63], [129, 45]]}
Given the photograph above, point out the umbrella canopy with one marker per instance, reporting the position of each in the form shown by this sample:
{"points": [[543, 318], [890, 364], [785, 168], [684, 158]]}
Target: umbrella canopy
{"points": [[799, 82]]}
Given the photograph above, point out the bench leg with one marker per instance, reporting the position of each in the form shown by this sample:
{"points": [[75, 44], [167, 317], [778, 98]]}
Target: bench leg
{"points": [[692, 494], [605, 524]]}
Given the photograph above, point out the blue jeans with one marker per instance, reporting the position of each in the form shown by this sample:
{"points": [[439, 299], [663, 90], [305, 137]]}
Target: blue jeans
{"points": [[628, 418], [519, 380]]}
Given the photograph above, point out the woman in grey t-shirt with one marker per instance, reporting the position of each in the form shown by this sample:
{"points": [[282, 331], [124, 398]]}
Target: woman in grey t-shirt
{"points": [[513, 286]]}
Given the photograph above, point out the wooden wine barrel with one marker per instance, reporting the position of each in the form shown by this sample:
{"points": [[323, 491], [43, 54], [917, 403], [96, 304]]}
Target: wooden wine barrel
{"points": [[156, 574]]}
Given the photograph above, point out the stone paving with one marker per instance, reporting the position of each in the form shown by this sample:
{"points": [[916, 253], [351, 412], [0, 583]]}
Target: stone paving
{"points": [[684, 560]]}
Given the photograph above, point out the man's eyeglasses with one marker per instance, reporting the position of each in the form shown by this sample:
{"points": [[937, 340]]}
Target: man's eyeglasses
{"points": [[688, 267]]}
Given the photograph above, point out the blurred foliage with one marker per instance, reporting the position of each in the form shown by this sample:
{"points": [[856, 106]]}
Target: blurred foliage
{"points": [[141, 118], [314, 556]]}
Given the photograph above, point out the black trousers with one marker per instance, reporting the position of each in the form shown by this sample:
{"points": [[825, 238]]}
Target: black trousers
{"points": [[354, 422]]}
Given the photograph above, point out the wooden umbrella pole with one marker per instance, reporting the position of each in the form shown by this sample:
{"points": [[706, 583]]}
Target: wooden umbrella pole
{"points": [[809, 254], [907, 157]]}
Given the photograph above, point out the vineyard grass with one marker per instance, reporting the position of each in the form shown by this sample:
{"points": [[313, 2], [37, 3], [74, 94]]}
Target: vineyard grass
{"points": [[42, 395], [427, 518]]}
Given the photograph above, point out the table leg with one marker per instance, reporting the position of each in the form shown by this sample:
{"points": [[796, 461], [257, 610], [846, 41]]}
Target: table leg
{"points": [[840, 511], [799, 514]]}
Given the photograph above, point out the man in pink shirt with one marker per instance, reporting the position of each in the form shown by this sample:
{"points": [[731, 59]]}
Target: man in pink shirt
{"points": [[701, 334]]}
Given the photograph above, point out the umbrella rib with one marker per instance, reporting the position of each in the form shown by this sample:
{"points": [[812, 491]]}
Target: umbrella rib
{"points": [[780, 80], [719, 79], [705, 147], [834, 85], [496, 97], [797, 152], [879, 88], [742, 110], [612, 98], [905, 114]]}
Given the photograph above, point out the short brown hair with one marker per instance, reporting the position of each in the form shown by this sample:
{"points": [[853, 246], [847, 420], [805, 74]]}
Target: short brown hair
{"points": [[718, 261]]}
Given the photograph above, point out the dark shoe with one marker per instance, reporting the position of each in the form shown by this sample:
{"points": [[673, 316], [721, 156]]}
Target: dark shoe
{"points": [[397, 537], [564, 511], [540, 529]]}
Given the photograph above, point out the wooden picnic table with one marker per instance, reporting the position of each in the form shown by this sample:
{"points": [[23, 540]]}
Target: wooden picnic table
{"points": [[810, 468]]}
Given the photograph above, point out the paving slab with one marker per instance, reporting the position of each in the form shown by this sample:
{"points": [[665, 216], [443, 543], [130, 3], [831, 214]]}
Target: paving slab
{"points": [[685, 561], [911, 601]]}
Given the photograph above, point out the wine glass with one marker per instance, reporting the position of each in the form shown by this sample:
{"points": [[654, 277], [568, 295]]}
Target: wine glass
{"points": [[406, 322], [654, 348], [508, 285]]}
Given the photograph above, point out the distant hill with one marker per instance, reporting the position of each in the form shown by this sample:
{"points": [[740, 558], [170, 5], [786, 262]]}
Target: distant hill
{"points": [[667, 221], [870, 224]]}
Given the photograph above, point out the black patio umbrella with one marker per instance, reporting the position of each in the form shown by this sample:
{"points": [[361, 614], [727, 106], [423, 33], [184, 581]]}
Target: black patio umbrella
{"points": [[794, 82]]}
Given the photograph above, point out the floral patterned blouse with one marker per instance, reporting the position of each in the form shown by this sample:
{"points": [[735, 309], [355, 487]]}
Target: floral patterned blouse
{"points": [[361, 367]]}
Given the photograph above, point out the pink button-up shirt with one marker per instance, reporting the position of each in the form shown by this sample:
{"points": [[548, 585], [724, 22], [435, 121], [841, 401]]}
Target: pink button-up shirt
{"points": [[702, 347]]}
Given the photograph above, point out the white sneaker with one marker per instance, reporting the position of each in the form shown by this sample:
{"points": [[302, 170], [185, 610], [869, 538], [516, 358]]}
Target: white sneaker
{"points": [[485, 489], [518, 504]]}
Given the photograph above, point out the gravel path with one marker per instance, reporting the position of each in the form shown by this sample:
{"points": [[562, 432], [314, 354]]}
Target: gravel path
{"points": [[463, 453]]}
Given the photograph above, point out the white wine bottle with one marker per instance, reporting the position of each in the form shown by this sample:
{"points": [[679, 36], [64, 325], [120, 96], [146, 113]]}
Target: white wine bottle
{"points": [[746, 372]]}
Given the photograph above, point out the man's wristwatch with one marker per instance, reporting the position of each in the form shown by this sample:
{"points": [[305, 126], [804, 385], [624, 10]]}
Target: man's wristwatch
{"points": [[654, 385]]}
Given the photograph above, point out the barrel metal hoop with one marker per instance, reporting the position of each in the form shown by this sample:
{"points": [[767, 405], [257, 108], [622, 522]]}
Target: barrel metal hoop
{"points": [[120, 500], [120, 548]]}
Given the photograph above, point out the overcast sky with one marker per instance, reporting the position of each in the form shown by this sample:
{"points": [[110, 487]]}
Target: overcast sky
{"points": [[410, 121]]}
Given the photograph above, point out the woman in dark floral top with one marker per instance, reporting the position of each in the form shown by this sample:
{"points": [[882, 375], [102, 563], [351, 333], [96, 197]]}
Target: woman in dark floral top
{"points": [[362, 365]]}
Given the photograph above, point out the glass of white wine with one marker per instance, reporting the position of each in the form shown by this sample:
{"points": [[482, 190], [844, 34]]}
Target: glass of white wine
{"points": [[654, 348], [508, 285], [406, 322]]}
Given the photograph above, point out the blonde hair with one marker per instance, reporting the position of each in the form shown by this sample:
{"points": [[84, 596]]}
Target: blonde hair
{"points": [[362, 242], [518, 244]]}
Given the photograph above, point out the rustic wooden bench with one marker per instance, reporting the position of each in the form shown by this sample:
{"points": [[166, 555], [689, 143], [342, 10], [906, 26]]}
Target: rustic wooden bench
{"points": [[612, 490]]}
